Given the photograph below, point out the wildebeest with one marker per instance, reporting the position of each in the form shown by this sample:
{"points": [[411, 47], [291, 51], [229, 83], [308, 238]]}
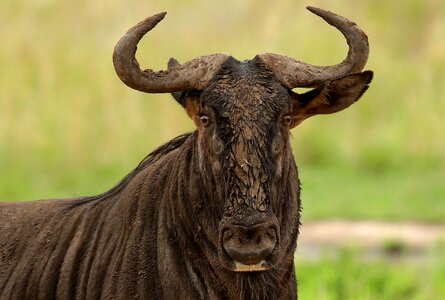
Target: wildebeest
{"points": [[212, 214]]}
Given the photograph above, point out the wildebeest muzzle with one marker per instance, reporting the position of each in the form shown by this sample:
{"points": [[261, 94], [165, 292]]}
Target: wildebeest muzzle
{"points": [[248, 245]]}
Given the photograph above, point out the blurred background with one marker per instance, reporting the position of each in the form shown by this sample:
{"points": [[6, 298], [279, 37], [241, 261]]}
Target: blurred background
{"points": [[69, 127]]}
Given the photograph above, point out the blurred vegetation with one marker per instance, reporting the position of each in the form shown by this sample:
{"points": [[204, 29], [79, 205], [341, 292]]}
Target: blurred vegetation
{"points": [[69, 127], [351, 277]]}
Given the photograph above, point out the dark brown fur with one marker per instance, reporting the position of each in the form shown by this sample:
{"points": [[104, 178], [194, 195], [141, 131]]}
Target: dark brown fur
{"points": [[157, 235]]}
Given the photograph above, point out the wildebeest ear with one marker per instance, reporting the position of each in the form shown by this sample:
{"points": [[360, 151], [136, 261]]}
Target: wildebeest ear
{"points": [[182, 96], [331, 97], [179, 96]]}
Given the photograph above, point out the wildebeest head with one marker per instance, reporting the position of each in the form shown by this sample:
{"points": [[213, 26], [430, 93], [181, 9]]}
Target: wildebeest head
{"points": [[243, 111]]}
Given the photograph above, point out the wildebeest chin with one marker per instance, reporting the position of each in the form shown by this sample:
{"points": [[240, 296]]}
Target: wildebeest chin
{"points": [[213, 214]]}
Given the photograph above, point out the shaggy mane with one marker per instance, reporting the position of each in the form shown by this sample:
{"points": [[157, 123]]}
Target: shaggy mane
{"points": [[150, 158]]}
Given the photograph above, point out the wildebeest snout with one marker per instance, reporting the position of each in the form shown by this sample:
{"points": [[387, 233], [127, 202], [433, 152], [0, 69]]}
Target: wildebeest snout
{"points": [[250, 245]]}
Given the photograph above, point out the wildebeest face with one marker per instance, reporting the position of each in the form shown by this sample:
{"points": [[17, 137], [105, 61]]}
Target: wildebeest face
{"points": [[243, 118]]}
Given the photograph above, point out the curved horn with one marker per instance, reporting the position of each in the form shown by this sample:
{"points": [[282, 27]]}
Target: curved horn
{"points": [[193, 75], [294, 73]]}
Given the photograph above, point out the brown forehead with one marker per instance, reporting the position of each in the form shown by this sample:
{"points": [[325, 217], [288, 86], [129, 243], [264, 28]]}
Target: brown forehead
{"points": [[246, 91]]}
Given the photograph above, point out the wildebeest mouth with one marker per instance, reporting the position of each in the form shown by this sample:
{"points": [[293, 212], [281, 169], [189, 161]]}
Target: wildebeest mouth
{"points": [[261, 266]]}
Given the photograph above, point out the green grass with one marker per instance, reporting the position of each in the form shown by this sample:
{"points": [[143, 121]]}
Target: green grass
{"points": [[351, 192], [349, 276], [69, 127]]}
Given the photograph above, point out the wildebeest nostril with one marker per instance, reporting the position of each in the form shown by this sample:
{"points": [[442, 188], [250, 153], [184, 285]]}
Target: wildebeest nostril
{"points": [[249, 245]]}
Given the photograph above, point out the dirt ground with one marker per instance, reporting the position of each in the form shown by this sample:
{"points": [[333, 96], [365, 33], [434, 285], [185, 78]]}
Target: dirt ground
{"points": [[370, 234]]}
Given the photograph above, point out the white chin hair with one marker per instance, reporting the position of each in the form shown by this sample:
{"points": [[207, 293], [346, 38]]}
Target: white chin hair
{"points": [[239, 267]]}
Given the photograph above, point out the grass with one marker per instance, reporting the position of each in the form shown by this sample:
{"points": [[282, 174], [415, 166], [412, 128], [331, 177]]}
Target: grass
{"points": [[350, 192], [349, 276]]}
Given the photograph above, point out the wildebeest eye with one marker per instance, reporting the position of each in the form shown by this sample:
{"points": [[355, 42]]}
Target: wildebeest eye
{"points": [[205, 120], [287, 120]]}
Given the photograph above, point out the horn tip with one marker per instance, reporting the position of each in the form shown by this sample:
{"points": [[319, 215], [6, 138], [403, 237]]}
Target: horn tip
{"points": [[157, 18], [162, 14], [147, 24], [313, 9], [320, 12]]}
